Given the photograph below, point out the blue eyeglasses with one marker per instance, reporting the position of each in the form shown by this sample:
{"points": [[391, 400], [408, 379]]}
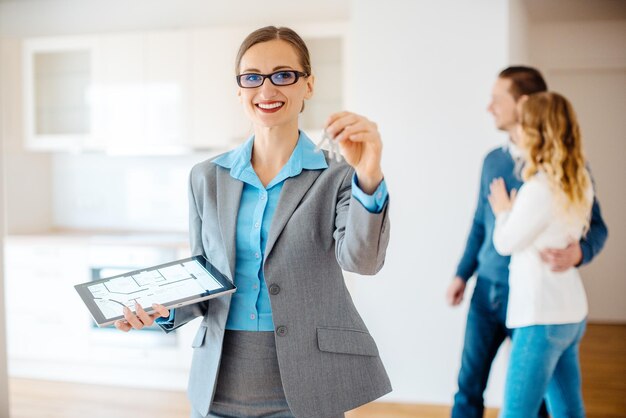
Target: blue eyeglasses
{"points": [[278, 78]]}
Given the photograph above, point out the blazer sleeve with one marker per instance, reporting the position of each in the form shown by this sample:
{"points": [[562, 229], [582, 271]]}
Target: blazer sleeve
{"points": [[195, 221], [361, 237], [181, 316]]}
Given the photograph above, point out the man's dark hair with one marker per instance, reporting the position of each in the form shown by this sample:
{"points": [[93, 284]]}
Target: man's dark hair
{"points": [[524, 80]]}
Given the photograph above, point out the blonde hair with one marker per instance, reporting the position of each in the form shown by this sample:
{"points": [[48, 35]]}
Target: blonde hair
{"points": [[553, 144]]}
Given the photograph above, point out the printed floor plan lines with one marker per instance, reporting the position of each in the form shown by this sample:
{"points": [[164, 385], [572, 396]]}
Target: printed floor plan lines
{"points": [[174, 282]]}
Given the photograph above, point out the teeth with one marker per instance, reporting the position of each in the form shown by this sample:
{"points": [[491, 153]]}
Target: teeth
{"points": [[270, 105]]}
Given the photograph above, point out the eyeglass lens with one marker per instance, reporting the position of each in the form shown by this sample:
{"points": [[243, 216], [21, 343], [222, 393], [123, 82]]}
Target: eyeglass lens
{"points": [[279, 78]]}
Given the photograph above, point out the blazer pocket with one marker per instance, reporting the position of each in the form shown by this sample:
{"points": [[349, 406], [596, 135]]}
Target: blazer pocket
{"points": [[198, 340], [346, 341]]}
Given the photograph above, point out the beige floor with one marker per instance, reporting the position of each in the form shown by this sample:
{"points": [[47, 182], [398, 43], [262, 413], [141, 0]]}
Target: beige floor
{"points": [[603, 358], [31, 398]]}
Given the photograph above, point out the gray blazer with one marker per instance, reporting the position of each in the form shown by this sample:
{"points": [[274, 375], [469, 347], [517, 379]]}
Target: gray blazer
{"points": [[328, 361]]}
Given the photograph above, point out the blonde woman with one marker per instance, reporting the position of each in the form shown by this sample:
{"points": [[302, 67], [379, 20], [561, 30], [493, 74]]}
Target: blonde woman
{"points": [[547, 310]]}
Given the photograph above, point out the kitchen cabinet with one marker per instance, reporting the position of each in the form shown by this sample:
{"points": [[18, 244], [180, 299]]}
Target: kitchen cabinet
{"points": [[166, 88], [43, 315], [119, 112], [217, 117], [50, 332], [141, 93], [157, 92], [58, 76], [327, 53]]}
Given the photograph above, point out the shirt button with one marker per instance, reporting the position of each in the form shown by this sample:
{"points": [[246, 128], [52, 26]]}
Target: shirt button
{"points": [[257, 255], [379, 195], [274, 289], [255, 287], [256, 225], [252, 316], [281, 331], [262, 197]]}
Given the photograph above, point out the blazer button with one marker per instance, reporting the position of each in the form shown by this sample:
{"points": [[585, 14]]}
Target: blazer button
{"points": [[281, 331], [274, 289]]}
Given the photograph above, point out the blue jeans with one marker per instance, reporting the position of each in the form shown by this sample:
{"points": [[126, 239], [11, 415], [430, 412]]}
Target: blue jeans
{"points": [[484, 333], [544, 361]]}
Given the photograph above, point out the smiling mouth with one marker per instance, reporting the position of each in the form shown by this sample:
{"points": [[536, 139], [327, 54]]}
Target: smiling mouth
{"points": [[270, 107]]}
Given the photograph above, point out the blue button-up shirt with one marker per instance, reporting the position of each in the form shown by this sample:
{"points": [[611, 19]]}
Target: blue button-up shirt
{"points": [[250, 308]]}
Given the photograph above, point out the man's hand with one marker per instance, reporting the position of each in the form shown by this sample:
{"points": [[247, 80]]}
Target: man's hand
{"points": [[561, 260], [454, 295]]}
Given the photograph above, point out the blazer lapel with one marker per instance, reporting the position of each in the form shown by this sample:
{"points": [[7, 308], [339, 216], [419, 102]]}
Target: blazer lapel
{"points": [[228, 198], [292, 193]]}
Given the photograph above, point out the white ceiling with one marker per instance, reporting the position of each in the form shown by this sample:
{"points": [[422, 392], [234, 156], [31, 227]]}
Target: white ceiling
{"points": [[55, 17]]}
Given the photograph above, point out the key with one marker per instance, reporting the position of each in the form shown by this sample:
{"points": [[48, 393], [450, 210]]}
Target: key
{"points": [[333, 147]]}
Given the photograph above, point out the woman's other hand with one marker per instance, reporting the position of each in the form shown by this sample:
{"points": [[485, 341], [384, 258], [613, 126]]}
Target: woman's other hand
{"points": [[499, 198], [140, 318], [360, 145]]}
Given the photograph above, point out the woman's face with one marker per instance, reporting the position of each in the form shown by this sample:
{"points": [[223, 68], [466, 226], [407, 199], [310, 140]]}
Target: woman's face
{"points": [[270, 105]]}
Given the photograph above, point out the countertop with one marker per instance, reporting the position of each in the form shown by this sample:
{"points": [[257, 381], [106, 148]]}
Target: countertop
{"points": [[101, 237]]}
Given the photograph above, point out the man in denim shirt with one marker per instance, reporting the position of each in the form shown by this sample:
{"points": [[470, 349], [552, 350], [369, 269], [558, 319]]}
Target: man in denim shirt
{"points": [[486, 330]]}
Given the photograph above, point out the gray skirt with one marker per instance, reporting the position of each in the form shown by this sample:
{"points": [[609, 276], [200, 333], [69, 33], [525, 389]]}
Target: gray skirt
{"points": [[248, 384]]}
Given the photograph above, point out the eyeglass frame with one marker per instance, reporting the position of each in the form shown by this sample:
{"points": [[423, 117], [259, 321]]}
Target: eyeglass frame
{"points": [[298, 74]]}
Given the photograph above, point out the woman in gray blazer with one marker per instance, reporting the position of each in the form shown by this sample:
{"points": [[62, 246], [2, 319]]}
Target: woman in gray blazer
{"points": [[283, 220]]}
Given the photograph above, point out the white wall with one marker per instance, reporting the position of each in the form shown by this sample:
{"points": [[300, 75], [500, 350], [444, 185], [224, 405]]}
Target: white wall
{"points": [[28, 187], [586, 61], [518, 33], [423, 71], [123, 193], [578, 45], [4, 385]]}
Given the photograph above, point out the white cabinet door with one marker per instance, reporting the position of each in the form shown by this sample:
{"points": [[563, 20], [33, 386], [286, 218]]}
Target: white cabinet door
{"points": [[50, 333], [44, 314], [118, 98], [57, 81], [156, 92], [142, 92], [217, 118], [166, 88]]}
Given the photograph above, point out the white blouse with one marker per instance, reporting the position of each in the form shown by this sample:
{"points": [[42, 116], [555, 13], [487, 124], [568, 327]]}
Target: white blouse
{"points": [[537, 295]]}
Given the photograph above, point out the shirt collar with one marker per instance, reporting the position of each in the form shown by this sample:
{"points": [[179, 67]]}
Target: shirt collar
{"points": [[303, 157], [514, 150]]}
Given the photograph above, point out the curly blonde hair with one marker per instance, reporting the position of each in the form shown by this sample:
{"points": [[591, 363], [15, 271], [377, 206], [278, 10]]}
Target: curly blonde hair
{"points": [[553, 144]]}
